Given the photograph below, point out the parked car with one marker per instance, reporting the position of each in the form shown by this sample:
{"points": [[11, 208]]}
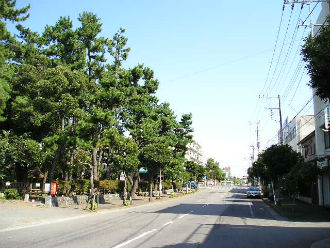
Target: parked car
{"points": [[192, 185], [254, 192]]}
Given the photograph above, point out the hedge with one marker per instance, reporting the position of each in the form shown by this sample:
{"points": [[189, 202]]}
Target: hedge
{"points": [[81, 187], [12, 194]]}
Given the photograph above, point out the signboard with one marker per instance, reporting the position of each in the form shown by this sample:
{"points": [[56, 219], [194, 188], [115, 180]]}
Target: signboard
{"points": [[122, 177], [53, 189], [143, 170], [47, 187]]}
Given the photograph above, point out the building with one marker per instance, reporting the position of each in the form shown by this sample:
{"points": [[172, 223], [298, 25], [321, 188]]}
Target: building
{"points": [[322, 134], [194, 153], [297, 129], [307, 147], [227, 171]]}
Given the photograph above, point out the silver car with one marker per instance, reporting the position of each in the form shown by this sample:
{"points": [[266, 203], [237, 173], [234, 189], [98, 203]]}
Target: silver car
{"points": [[253, 192]]}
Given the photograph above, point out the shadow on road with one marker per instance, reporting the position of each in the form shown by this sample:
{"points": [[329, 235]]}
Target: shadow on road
{"points": [[257, 236]]}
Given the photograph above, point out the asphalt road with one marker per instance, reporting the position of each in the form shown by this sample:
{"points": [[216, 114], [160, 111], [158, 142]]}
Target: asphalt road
{"points": [[217, 217]]}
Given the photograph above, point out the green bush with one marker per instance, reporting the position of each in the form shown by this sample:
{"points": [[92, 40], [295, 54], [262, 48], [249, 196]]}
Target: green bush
{"points": [[172, 195], [12, 194], [81, 187], [109, 186], [63, 187], [167, 185]]}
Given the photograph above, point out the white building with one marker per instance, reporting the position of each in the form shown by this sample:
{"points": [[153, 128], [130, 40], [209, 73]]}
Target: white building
{"points": [[297, 129], [322, 134], [194, 153]]}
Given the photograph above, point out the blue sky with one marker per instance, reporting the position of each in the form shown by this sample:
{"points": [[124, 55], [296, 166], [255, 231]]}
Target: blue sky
{"points": [[212, 58]]}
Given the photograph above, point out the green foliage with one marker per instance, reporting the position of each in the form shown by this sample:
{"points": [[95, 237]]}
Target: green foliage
{"points": [[12, 194], [69, 109], [173, 195], [213, 170], [81, 187], [196, 171], [286, 168], [316, 52], [127, 203], [167, 185]]}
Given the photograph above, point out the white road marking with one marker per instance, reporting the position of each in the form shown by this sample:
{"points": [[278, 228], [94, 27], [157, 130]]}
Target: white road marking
{"points": [[168, 223], [251, 212], [133, 239], [44, 223], [183, 216]]}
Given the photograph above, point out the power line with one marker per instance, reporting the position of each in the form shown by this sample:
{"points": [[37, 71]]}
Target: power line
{"points": [[280, 54]]}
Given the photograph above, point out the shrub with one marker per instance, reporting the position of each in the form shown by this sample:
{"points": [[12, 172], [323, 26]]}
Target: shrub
{"points": [[81, 187], [63, 187], [109, 186], [167, 185], [172, 195], [12, 194]]}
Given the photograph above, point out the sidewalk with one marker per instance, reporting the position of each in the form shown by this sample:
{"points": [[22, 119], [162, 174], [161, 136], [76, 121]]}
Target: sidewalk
{"points": [[17, 214], [300, 211]]}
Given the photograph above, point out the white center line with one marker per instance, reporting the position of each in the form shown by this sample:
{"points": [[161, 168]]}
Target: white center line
{"points": [[168, 223], [182, 216], [133, 239]]}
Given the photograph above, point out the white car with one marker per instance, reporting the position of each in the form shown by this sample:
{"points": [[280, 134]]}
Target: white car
{"points": [[253, 192]]}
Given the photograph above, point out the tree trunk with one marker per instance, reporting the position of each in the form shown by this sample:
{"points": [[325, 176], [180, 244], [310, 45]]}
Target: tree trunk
{"points": [[95, 164], [92, 189], [54, 162], [135, 184], [150, 189], [44, 180], [125, 192]]}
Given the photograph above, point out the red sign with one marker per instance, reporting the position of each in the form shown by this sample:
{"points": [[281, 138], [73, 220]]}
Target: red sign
{"points": [[53, 189]]}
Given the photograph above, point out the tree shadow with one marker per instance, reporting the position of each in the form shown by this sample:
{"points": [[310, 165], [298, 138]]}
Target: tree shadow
{"points": [[250, 236]]}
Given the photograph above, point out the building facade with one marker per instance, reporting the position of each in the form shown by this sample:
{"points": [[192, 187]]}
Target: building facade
{"points": [[297, 129], [194, 153], [307, 146]]}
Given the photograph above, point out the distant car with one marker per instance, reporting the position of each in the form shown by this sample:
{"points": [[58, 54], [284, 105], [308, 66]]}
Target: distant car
{"points": [[254, 192], [192, 185]]}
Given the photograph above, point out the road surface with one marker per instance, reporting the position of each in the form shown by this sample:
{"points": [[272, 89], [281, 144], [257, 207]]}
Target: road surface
{"points": [[215, 217]]}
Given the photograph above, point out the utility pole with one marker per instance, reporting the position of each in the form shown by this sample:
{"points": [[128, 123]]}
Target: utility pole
{"points": [[252, 155], [258, 143], [280, 114], [311, 25]]}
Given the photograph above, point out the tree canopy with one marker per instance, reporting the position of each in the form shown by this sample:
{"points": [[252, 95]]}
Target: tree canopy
{"points": [[316, 52]]}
